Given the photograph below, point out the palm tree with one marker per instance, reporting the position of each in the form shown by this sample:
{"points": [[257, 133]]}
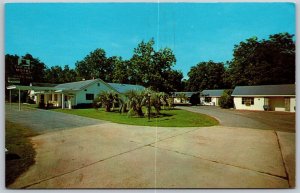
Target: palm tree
{"points": [[136, 100], [164, 99], [155, 101], [115, 101], [123, 103], [170, 102], [106, 98]]}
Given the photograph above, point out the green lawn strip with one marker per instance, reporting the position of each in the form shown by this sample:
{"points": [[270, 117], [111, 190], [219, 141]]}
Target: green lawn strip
{"points": [[18, 143], [169, 118]]}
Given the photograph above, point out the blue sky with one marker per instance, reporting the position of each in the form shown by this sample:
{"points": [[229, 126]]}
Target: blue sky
{"points": [[63, 33]]}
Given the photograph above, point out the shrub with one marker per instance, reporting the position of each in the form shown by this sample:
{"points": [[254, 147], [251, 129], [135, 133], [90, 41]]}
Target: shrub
{"points": [[41, 104], [226, 101], [195, 99]]}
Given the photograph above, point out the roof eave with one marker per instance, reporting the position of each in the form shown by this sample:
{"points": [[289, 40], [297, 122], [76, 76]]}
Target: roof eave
{"points": [[261, 95]]}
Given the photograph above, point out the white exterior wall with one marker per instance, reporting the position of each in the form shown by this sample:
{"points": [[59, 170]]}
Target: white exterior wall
{"points": [[177, 100], [214, 101], [92, 89], [258, 104], [292, 104]]}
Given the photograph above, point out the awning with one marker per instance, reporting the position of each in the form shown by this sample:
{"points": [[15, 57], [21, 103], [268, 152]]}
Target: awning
{"points": [[41, 88], [35, 88]]}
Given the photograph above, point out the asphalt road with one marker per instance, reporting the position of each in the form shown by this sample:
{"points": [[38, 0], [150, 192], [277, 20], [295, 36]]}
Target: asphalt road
{"points": [[45, 120], [278, 121]]}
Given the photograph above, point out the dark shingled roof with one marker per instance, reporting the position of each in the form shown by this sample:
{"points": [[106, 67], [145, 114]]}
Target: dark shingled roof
{"points": [[122, 88], [213, 93], [265, 90]]}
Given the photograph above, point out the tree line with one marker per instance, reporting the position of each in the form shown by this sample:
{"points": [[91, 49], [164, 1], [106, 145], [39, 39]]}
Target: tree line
{"points": [[255, 62]]}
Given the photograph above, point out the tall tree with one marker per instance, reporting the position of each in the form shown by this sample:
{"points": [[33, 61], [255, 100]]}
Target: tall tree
{"points": [[36, 74], [95, 65], [153, 68], [69, 75], [258, 62], [120, 72], [37, 68], [206, 75], [173, 81], [56, 74], [142, 63], [10, 62]]}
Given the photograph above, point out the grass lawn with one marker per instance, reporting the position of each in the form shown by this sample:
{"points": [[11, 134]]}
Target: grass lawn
{"points": [[169, 118], [20, 155]]}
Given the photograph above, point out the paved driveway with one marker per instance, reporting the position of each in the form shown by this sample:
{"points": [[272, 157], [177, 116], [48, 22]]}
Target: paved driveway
{"points": [[279, 121], [45, 120], [110, 155]]}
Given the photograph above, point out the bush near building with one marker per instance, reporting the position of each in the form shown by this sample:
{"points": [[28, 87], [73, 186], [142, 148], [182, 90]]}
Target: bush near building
{"points": [[226, 100]]}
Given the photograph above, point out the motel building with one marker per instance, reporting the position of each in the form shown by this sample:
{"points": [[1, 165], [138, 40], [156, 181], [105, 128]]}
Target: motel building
{"points": [[211, 97], [265, 97], [186, 100], [70, 95]]}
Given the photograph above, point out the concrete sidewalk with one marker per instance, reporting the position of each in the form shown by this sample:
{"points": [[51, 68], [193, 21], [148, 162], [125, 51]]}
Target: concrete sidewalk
{"points": [[110, 155]]}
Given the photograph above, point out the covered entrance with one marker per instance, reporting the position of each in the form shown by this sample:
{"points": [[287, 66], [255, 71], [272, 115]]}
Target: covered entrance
{"points": [[45, 96], [278, 103]]}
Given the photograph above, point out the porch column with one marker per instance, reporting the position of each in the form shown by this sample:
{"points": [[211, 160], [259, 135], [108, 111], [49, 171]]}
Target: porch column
{"points": [[58, 99], [70, 103], [62, 100], [53, 99], [38, 98], [19, 100], [46, 99]]}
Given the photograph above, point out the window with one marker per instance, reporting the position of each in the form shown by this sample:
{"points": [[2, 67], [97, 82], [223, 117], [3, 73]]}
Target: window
{"points": [[89, 96], [207, 99], [248, 101], [55, 97], [98, 84]]}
